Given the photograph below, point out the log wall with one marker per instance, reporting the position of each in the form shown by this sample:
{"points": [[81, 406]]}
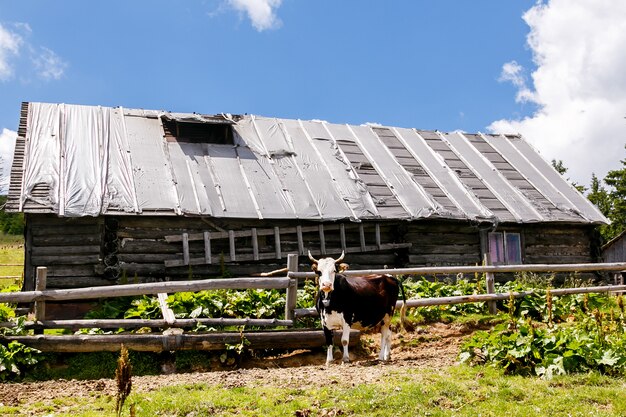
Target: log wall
{"points": [[89, 251]]}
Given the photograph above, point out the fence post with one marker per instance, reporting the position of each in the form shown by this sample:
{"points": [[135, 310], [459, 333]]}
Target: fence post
{"points": [[292, 290], [491, 285], [40, 285]]}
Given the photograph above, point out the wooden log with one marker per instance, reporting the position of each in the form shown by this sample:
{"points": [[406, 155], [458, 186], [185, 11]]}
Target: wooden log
{"points": [[255, 245], [198, 341], [147, 288], [433, 270], [292, 289], [152, 323], [66, 250], [40, 285], [490, 285], [65, 259]]}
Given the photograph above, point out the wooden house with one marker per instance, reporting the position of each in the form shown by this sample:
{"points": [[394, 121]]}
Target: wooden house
{"points": [[615, 251], [113, 194]]}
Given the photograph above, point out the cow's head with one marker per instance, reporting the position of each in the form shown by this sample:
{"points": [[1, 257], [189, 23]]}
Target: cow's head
{"points": [[325, 269]]}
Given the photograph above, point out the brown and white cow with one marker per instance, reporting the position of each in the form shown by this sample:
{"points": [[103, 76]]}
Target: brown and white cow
{"points": [[362, 302]]}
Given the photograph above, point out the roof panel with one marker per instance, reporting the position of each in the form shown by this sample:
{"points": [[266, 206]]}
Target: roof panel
{"points": [[116, 160]]}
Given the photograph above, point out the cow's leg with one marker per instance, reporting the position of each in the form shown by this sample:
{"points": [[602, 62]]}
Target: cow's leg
{"points": [[385, 339], [328, 334], [345, 340]]}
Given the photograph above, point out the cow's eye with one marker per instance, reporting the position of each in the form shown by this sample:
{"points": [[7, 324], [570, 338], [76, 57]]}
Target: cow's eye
{"points": [[318, 273]]}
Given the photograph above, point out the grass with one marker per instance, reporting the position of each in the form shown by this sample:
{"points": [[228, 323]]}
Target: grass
{"points": [[453, 391], [11, 252]]}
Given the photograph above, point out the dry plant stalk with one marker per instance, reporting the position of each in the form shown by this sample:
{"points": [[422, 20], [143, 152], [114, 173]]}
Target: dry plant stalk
{"points": [[123, 379]]}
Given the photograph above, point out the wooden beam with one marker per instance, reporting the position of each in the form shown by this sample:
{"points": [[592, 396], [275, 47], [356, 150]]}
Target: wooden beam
{"points": [[207, 247], [40, 285], [152, 323], [362, 236], [300, 240], [255, 245], [146, 288], [185, 248], [231, 241], [292, 291], [322, 239], [277, 243], [296, 339], [168, 314], [342, 236]]}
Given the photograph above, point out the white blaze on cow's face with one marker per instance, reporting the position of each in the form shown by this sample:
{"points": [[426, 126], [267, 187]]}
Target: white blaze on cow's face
{"points": [[326, 273], [325, 270]]}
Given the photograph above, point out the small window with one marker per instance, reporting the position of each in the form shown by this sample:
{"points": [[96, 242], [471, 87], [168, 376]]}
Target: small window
{"points": [[505, 248], [220, 133]]}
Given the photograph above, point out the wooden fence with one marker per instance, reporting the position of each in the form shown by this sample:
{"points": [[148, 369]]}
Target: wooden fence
{"points": [[174, 338]]}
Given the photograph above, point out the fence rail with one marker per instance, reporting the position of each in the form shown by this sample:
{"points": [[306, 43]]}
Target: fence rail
{"points": [[210, 341]]}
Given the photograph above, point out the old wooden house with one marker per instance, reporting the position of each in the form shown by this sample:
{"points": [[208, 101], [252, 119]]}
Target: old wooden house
{"points": [[112, 193], [615, 251]]}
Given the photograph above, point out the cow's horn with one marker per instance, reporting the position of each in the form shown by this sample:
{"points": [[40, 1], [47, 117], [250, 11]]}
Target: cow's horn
{"points": [[312, 258], [343, 254]]}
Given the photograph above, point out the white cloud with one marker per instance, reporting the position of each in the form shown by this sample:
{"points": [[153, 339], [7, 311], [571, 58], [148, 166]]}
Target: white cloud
{"points": [[579, 85], [48, 64], [261, 12], [9, 46], [514, 73], [18, 54], [7, 145]]}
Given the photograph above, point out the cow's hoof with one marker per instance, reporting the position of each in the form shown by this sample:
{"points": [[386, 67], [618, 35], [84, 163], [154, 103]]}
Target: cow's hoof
{"points": [[346, 360]]}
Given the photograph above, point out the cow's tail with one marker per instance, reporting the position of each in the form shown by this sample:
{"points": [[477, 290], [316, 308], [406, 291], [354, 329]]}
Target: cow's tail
{"points": [[403, 322]]}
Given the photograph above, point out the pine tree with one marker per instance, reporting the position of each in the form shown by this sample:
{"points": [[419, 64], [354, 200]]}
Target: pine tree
{"points": [[616, 179]]}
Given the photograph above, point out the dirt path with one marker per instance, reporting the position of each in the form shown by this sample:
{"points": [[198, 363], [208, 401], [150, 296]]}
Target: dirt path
{"points": [[434, 346]]}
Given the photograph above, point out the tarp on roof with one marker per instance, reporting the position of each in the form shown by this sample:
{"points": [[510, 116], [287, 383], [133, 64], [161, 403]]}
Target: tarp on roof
{"points": [[88, 161]]}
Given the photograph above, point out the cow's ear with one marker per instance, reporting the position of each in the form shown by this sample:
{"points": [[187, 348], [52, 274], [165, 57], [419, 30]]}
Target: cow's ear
{"points": [[343, 267], [314, 267]]}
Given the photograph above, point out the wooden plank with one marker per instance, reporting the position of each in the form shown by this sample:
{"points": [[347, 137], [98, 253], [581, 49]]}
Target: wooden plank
{"points": [[40, 285], [322, 239], [231, 242], [292, 291], [255, 245], [300, 240], [277, 243], [207, 247], [362, 236], [185, 248], [168, 314], [378, 235], [342, 236]]}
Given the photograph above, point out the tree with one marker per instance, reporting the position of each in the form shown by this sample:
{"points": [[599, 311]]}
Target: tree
{"points": [[616, 179], [561, 169], [600, 197]]}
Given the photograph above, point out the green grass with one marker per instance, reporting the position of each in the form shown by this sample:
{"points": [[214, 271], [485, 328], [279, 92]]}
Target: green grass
{"points": [[11, 252], [454, 391]]}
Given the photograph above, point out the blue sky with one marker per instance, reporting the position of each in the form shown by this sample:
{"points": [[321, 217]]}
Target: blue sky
{"points": [[446, 65]]}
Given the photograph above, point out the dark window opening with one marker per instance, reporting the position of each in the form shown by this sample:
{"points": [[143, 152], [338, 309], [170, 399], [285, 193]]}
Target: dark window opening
{"points": [[505, 248], [198, 132]]}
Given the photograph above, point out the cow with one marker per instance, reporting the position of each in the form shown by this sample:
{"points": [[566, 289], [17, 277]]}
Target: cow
{"points": [[358, 302]]}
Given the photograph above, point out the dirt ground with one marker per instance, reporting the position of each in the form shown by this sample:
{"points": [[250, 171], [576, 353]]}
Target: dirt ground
{"points": [[433, 346]]}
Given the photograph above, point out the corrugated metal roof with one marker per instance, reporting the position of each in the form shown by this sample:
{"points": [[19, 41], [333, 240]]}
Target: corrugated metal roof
{"points": [[87, 161]]}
